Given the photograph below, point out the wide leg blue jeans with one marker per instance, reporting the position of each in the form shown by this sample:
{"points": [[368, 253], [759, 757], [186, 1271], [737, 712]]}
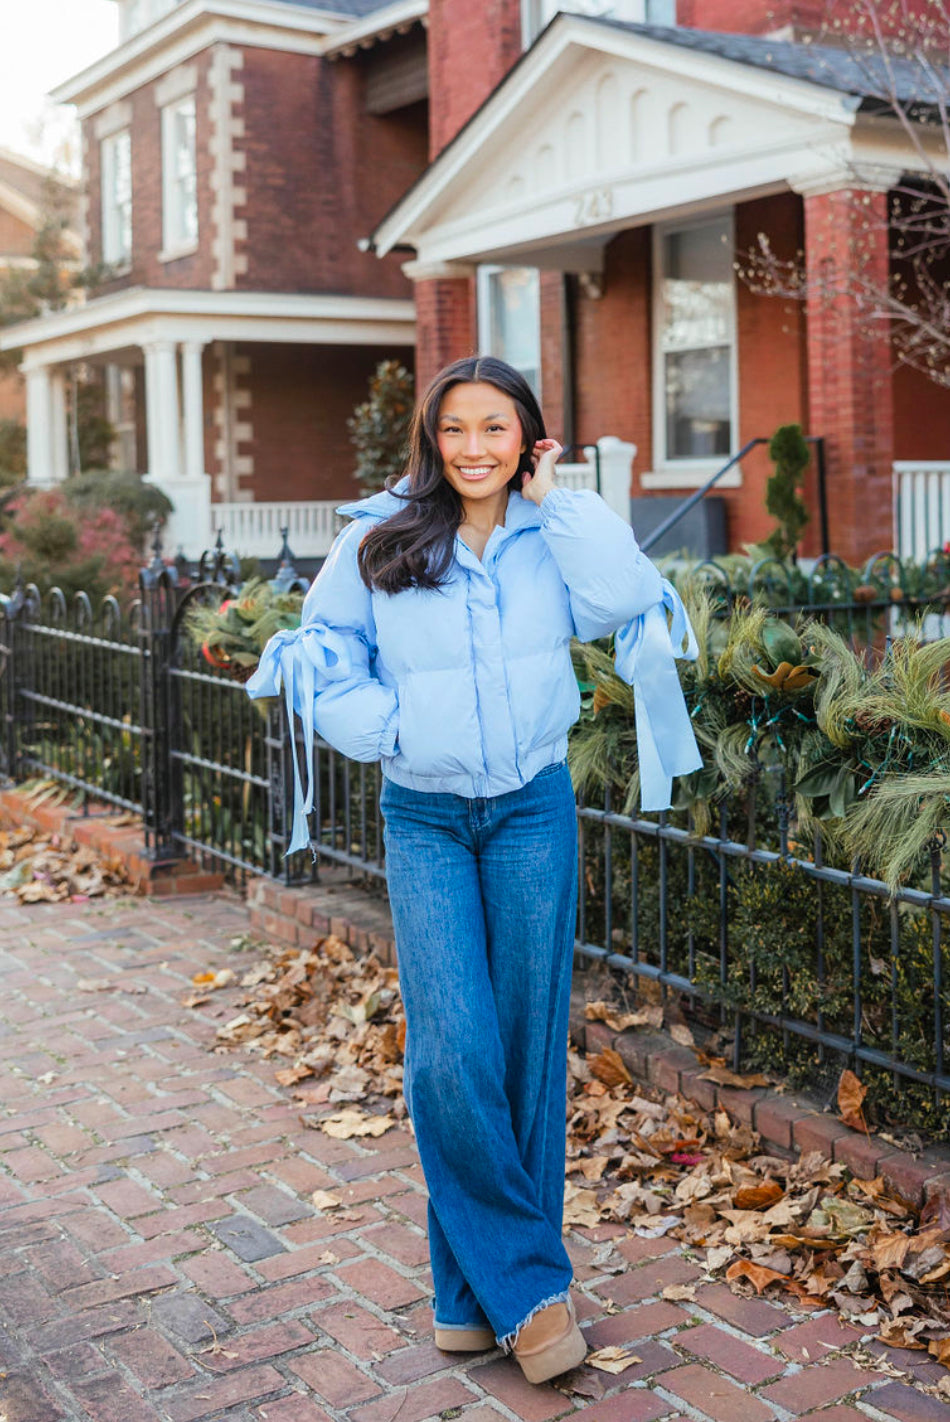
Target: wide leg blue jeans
{"points": [[483, 895]]}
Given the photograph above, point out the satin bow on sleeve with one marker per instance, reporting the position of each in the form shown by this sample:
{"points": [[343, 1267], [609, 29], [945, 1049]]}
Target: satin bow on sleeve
{"points": [[300, 661], [646, 649]]}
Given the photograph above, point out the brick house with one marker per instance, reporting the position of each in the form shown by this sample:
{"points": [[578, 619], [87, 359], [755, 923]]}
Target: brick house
{"points": [[603, 173], [289, 190], [234, 152]]}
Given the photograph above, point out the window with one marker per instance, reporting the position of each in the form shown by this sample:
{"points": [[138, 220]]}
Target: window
{"points": [[695, 345], [179, 178], [535, 14], [509, 319], [116, 179]]}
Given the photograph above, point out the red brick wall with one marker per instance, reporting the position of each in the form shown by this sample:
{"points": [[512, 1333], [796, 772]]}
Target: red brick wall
{"points": [[772, 369], [321, 173], [471, 48], [761, 16], [552, 345], [301, 397], [12, 397], [849, 368], [146, 128], [445, 325], [612, 354], [749, 16], [614, 358]]}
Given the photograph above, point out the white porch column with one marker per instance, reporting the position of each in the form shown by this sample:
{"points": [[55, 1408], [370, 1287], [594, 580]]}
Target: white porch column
{"points": [[39, 426], [193, 409], [616, 472], [59, 428], [176, 447]]}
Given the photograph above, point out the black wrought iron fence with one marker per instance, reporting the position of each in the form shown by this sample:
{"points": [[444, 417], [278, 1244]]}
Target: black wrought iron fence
{"points": [[764, 937]]}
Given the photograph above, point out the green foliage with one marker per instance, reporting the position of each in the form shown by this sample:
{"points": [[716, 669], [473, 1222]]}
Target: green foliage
{"points": [[379, 427], [236, 631], [139, 504], [12, 452], [54, 545], [789, 453], [863, 747]]}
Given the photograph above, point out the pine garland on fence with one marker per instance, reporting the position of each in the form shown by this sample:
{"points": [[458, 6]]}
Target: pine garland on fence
{"points": [[865, 748]]}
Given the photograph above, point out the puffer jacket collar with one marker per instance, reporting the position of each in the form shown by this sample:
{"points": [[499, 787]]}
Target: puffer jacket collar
{"points": [[520, 515]]}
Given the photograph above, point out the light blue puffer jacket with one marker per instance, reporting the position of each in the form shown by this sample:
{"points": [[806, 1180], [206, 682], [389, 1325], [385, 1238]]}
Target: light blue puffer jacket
{"points": [[470, 689]]}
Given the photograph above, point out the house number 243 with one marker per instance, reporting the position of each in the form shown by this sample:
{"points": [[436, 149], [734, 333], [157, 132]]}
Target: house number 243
{"points": [[594, 206]]}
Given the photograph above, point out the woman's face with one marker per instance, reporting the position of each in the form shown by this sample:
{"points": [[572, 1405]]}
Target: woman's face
{"points": [[480, 439]]}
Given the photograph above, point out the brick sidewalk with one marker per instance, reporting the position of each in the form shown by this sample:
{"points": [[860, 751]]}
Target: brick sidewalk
{"points": [[161, 1259]]}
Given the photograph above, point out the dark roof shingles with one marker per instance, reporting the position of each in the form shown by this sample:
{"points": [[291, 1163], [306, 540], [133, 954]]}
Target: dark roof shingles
{"points": [[863, 74]]}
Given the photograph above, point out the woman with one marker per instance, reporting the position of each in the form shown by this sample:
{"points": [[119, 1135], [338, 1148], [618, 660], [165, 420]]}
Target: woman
{"points": [[437, 639]]}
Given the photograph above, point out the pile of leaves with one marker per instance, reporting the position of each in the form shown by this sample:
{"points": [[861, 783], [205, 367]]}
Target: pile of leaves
{"points": [[337, 1018], [48, 868], [656, 1163], [804, 1229]]}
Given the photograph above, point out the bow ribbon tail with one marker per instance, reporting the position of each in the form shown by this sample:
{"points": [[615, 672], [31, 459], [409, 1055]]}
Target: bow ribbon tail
{"points": [[646, 658]]}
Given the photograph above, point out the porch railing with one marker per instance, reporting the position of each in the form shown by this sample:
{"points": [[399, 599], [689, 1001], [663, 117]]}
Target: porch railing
{"points": [[254, 529], [921, 506]]}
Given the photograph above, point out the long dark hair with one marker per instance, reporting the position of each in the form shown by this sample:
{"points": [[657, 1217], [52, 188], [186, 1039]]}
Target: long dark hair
{"points": [[413, 548]]}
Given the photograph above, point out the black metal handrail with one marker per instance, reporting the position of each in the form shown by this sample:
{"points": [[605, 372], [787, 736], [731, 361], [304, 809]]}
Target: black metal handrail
{"points": [[683, 509]]}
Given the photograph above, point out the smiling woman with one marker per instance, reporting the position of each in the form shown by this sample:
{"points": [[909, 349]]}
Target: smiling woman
{"points": [[437, 640]]}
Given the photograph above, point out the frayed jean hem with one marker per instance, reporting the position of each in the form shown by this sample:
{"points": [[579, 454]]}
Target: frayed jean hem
{"points": [[507, 1341]]}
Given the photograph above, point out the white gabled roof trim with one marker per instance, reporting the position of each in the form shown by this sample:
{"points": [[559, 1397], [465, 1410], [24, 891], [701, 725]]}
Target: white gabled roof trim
{"points": [[799, 97], [134, 62]]}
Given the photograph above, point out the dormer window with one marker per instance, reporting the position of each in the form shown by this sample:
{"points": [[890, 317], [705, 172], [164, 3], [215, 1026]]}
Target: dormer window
{"points": [[116, 164], [179, 179], [535, 14]]}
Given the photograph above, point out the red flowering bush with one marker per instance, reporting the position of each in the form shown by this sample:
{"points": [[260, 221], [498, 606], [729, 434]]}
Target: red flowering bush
{"points": [[59, 545]]}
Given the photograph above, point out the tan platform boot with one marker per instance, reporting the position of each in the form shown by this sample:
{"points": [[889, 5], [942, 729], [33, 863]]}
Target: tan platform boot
{"points": [[550, 1344], [464, 1340]]}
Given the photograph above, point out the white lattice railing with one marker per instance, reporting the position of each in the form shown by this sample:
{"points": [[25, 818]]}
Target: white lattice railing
{"points": [[253, 530], [921, 506]]}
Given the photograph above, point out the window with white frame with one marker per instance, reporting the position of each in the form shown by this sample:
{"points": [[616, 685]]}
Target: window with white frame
{"points": [[535, 14], [509, 319], [116, 182], [695, 364], [179, 177]]}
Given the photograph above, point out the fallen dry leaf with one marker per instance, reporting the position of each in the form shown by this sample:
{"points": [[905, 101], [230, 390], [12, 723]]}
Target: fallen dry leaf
{"points": [[851, 1094], [325, 1200], [679, 1292], [758, 1277], [609, 1067], [612, 1359], [344, 1125]]}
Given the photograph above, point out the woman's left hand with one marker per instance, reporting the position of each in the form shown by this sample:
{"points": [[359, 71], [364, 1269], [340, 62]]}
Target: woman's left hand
{"points": [[544, 456]]}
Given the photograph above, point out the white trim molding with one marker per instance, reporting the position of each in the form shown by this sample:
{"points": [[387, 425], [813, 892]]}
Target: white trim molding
{"points": [[141, 315], [600, 129], [397, 18], [184, 32], [228, 163]]}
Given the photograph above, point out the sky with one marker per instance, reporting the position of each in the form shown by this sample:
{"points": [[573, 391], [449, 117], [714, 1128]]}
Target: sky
{"points": [[42, 43]]}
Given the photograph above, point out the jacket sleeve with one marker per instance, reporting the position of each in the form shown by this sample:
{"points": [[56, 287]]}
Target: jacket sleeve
{"points": [[325, 670], [607, 577], [354, 712]]}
